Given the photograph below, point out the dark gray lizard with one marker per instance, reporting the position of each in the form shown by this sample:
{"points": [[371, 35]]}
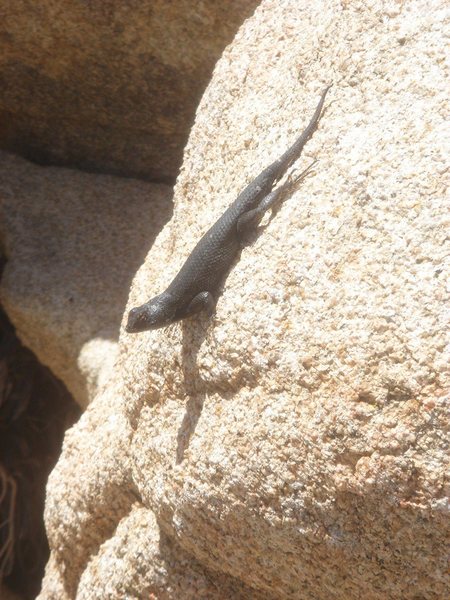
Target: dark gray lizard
{"points": [[196, 286]]}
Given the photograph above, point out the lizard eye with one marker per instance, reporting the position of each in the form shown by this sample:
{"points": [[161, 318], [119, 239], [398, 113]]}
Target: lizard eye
{"points": [[155, 313]]}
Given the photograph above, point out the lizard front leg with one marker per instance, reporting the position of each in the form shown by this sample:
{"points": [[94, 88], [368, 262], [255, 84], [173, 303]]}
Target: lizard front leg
{"points": [[202, 301]]}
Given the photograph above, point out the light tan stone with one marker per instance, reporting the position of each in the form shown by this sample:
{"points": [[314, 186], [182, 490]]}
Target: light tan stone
{"points": [[72, 242], [295, 442]]}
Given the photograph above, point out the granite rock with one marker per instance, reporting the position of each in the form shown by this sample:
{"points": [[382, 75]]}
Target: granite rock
{"points": [[295, 442]]}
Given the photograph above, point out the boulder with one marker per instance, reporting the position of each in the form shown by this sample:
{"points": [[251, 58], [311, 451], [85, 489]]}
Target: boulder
{"points": [[108, 86], [72, 242], [293, 444]]}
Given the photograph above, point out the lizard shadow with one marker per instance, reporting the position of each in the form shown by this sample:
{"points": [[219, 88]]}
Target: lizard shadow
{"points": [[192, 340]]}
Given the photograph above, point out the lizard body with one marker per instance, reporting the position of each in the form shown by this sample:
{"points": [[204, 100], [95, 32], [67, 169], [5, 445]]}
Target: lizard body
{"points": [[196, 286]]}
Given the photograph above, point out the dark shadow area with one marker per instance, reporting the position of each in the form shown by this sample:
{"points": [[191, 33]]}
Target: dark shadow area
{"points": [[28, 145], [109, 90], [35, 411]]}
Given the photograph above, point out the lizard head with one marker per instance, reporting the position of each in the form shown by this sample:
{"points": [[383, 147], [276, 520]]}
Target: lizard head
{"points": [[155, 313]]}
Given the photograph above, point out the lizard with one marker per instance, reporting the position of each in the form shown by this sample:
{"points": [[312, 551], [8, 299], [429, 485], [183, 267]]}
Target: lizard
{"points": [[195, 287]]}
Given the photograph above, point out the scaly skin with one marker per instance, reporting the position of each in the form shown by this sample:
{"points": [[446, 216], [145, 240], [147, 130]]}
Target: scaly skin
{"points": [[196, 286]]}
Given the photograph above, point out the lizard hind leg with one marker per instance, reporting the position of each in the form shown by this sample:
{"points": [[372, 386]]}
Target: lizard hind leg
{"points": [[249, 221]]}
